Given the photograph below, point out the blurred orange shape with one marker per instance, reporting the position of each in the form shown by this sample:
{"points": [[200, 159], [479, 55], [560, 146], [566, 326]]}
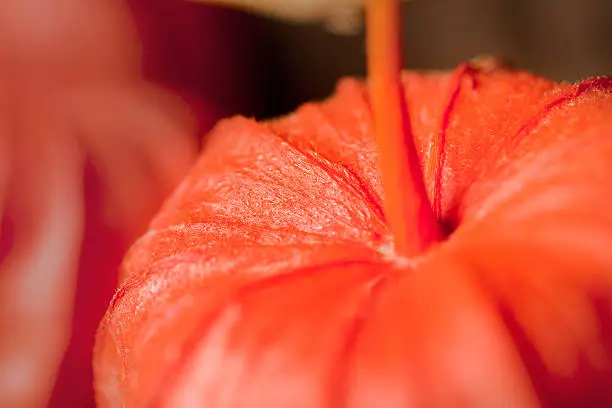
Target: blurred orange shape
{"points": [[93, 136]]}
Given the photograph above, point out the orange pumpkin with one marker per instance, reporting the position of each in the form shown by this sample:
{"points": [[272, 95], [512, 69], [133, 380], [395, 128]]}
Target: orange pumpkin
{"points": [[269, 275], [271, 278]]}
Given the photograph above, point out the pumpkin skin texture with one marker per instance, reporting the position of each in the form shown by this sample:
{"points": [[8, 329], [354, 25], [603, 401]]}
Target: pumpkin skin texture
{"points": [[269, 279]]}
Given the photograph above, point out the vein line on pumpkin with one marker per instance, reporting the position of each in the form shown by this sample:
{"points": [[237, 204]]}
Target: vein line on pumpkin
{"points": [[296, 189], [568, 98], [373, 199], [174, 371], [133, 284], [439, 149], [339, 174], [339, 387], [512, 184], [132, 291], [529, 341], [526, 350], [320, 240], [362, 188], [343, 176]]}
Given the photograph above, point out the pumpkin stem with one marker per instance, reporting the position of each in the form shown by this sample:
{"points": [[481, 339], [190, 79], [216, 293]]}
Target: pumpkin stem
{"points": [[407, 209]]}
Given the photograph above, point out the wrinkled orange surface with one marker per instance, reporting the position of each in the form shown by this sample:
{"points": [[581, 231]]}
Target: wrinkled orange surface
{"points": [[269, 280]]}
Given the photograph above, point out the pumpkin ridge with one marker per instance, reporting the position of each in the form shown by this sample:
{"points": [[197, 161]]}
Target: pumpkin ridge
{"points": [[528, 168], [132, 297], [463, 71], [369, 195], [547, 384], [134, 282], [569, 299], [339, 386], [197, 252], [344, 176], [173, 372], [341, 173], [547, 298], [170, 376], [570, 96], [337, 177], [525, 349]]}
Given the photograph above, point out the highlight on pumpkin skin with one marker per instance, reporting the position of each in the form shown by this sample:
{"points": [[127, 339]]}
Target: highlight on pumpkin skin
{"points": [[407, 208]]}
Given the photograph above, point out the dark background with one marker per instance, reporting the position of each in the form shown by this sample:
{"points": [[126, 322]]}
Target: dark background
{"points": [[561, 39]]}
